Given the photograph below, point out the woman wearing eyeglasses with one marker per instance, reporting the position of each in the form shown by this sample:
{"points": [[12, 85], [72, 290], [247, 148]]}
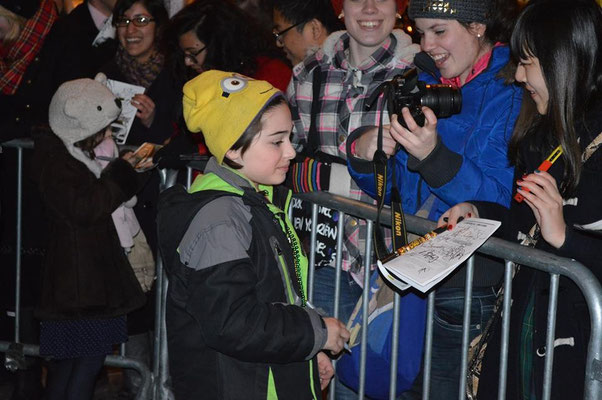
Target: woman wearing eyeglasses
{"points": [[215, 34], [140, 61]]}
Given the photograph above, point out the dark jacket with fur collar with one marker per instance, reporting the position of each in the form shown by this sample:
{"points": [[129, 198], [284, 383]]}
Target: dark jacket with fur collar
{"points": [[86, 273]]}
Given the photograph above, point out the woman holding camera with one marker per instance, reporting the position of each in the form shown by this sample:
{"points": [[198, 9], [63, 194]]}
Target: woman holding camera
{"points": [[460, 157]]}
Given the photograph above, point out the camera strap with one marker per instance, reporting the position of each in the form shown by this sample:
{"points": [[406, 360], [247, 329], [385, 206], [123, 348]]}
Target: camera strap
{"points": [[398, 226]]}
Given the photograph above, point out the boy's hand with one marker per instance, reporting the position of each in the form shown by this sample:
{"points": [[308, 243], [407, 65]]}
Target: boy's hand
{"points": [[325, 370], [338, 335]]}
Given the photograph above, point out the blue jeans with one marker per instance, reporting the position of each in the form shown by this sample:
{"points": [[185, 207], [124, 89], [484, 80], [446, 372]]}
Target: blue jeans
{"points": [[447, 339], [323, 297]]}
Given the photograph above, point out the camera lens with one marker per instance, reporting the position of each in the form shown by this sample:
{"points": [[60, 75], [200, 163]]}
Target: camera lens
{"points": [[444, 100]]}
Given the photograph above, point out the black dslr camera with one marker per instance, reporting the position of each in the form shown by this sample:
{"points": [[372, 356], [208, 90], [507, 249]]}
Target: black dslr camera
{"points": [[407, 91]]}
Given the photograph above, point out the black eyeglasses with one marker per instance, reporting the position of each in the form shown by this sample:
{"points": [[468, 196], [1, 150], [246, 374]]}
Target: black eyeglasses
{"points": [[280, 35], [139, 21], [190, 56]]}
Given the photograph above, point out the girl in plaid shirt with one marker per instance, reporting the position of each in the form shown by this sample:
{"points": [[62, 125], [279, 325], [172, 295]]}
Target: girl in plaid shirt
{"points": [[351, 65]]}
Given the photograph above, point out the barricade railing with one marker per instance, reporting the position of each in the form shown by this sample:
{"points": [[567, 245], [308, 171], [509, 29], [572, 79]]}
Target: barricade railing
{"points": [[16, 351], [156, 385], [509, 252]]}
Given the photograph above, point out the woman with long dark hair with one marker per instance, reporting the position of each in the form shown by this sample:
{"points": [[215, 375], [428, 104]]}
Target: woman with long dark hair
{"points": [[215, 34], [557, 44]]}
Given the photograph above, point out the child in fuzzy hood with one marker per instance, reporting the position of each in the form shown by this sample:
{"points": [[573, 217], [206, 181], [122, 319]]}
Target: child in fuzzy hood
{"points": [[88, 285]]}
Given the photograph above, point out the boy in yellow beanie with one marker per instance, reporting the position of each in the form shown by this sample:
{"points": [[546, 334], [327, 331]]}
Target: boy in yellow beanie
{"points": [[238, 323]]}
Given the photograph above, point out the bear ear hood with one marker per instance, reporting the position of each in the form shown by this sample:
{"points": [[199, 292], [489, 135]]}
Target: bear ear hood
{"points": [[80, 109]]}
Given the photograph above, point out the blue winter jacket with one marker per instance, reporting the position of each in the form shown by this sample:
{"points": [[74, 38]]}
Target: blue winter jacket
{"points": [[470, 161]]}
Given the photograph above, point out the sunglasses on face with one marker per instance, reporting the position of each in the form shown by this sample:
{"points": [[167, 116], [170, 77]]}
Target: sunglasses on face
{"points": [[139, 21]]}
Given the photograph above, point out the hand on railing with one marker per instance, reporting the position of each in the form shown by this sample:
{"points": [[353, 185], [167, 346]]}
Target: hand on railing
{"points": [[460, 211]]}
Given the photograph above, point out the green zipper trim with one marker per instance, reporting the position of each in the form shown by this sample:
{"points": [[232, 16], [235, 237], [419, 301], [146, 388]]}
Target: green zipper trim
{"points": [[311, 379], [271, 394], [287, 279]]}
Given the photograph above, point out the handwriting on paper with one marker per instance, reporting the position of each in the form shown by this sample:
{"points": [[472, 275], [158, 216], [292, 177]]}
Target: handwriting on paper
{"points": [[426, 265]]}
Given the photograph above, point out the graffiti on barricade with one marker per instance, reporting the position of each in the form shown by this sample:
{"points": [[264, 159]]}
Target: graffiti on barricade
{"points": [[326, 230]]}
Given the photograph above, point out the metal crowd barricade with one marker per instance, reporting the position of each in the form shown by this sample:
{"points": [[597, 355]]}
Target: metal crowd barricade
{"points": [[510, 252], [157, 385], [15, 351]]}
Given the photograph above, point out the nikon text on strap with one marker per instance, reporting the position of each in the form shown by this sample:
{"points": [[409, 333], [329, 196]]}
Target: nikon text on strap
{"points": [[398, 226]]}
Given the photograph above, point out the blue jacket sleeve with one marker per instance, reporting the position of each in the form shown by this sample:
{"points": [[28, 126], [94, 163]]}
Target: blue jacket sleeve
{"points": [[485, 172], [362, 171]]}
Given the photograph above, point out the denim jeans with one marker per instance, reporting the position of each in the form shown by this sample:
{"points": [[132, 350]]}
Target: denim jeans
{"points": [[323, 298], [447, 339]]}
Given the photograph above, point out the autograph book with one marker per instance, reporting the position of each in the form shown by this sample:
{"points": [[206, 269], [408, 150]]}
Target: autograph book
{"points": [[427, 264]]}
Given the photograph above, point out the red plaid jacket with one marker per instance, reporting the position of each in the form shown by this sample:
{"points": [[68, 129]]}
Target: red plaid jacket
{"points": [[26, 47]]}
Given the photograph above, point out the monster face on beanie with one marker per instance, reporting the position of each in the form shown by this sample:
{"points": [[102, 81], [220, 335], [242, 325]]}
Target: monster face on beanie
{"points": [[222, 105], [82, 108]]}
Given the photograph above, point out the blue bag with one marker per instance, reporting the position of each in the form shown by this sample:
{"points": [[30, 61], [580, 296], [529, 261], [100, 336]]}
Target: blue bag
{"points": [[412, 318]]}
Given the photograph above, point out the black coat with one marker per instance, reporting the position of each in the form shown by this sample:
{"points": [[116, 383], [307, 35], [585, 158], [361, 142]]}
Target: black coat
{"points": [[167, 99], [76, 57], [86, 273], [572, 316]]}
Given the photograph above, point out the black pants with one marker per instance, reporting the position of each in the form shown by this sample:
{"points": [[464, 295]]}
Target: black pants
{"points": [[74, 378]]}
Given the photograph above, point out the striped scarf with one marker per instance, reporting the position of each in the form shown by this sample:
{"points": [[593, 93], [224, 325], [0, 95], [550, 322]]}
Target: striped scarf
{"points": [[27, 46]]}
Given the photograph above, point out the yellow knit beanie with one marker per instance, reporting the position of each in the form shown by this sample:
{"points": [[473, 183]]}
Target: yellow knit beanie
{"points": [[222, 105]]}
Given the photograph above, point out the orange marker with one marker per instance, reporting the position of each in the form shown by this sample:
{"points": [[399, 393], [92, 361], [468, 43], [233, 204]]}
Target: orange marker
{"points": [[544, 166]]}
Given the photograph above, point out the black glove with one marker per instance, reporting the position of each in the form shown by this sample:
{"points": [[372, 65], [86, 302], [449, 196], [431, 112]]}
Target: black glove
{"points": [[170, 155]]}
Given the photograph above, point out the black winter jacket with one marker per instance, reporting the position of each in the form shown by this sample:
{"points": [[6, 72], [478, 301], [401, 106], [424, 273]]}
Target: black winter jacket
{"points": [[582, 207], [234, 324]]}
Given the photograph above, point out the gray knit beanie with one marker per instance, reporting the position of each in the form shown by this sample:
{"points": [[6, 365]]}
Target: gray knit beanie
{"points": [[461, 10]]}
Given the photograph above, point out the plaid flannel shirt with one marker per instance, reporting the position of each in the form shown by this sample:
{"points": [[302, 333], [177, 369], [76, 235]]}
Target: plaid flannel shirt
{"points": [[344, 91], [26, 47]]}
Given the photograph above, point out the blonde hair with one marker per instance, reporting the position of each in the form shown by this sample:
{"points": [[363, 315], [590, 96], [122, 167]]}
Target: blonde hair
{"points": [[15, 22]]}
